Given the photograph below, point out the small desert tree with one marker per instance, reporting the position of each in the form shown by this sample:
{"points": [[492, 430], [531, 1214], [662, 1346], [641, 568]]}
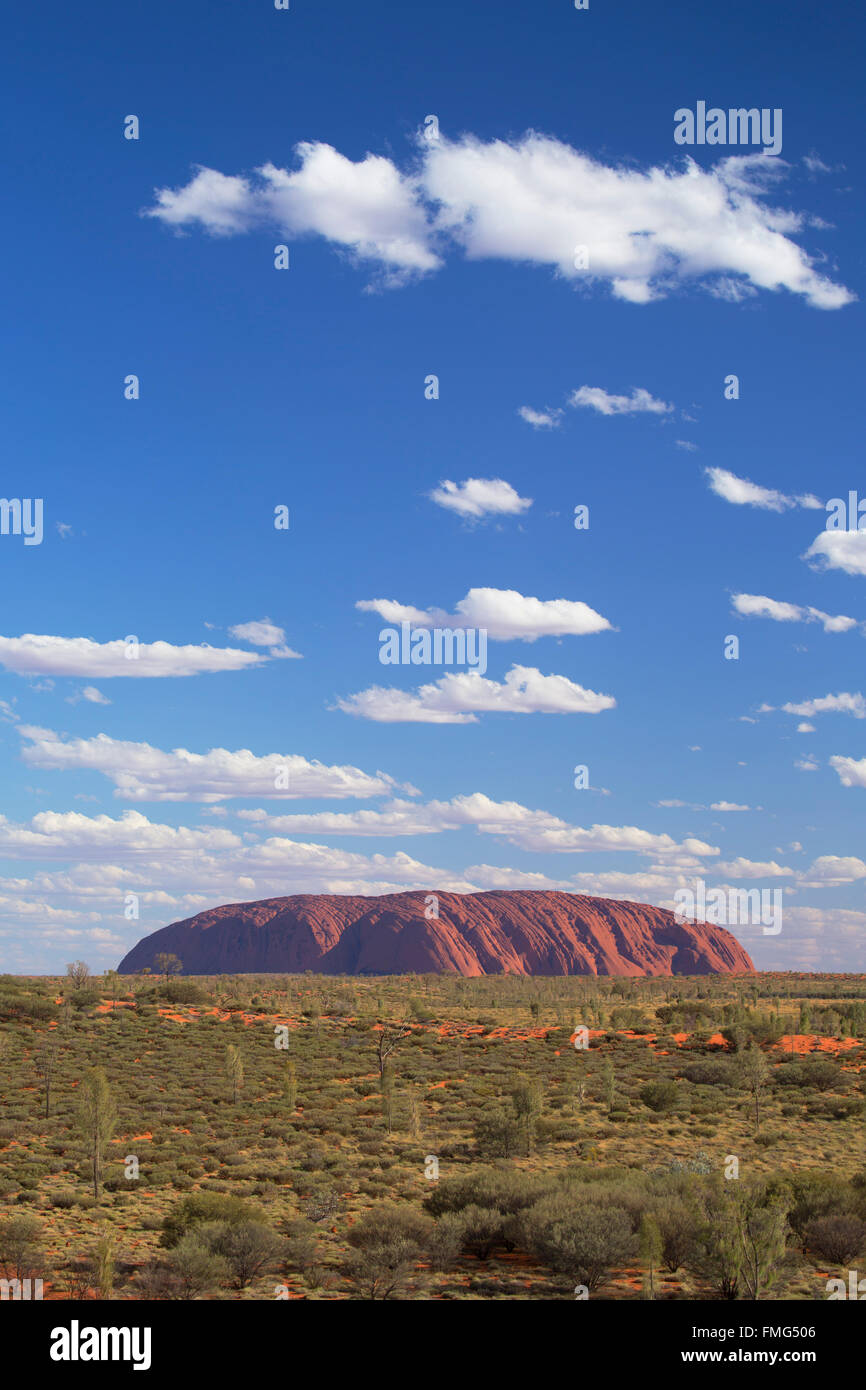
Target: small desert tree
{"points": [[390, 1037], [95, 1118], [102, 1264], [608, 1082], [111, 983], [387, 1088], [21, 1251], [716, 1255], [761, 1224], [249, 1248], [290, 1084], [78, 974], [580, 1241], [387, 1245], [45, 1066], [754, 1074], [234, 1070], [650, 1239], [526, 1097], [168, 964]]}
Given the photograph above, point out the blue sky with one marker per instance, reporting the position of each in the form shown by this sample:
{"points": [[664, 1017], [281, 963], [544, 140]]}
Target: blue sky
{"points": [[306, 388]]}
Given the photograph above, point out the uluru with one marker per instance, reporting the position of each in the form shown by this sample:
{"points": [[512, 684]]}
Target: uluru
{"points": [[491, 933]]}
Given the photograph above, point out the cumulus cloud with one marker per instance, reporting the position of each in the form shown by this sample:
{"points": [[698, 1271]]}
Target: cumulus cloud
{"points": [[459, 697], [728, 806], [744, 493], [534, 831], [478, 497], [843, 703], [367, 207], [540, 419], [54, 834], [33, 655], [838, 550], [525, 201], [758, 606], [819, 939], [643, 232], [223, 204], [90, 694], [263, 633], [750, 868], [505, 614], [852, 771], [833, 871], [144, 773], [220, 865], [640, 402]]}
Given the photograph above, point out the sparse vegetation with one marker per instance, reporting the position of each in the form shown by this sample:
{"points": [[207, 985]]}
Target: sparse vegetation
{"points": [[431, 1136]]}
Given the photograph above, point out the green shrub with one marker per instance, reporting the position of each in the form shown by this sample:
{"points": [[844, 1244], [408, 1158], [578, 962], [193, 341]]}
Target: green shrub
{"points": [[659, 1096], [204, 1207]]}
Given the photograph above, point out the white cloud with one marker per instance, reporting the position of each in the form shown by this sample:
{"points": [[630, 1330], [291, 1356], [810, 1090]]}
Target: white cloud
{"points": [[223, 204], [805, 728], [54, 834], [839, 550], [366, 207], [815, 939], [843, 703], [638, 403], [526, 201], [32, 655], [398, 817], [734, 291], [742, 492], [852, 772], [142, 772], [816, 165], [534, 831], [540, 419], [263, 633], [749, 868], [90, 694], [728, 806], [459, 697], [758, 606], [478, 497], [503, 613], [833, 871], [531, 200]]}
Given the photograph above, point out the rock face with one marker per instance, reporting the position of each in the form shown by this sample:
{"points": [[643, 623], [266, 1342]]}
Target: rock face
{"points": [[515, 933]]}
